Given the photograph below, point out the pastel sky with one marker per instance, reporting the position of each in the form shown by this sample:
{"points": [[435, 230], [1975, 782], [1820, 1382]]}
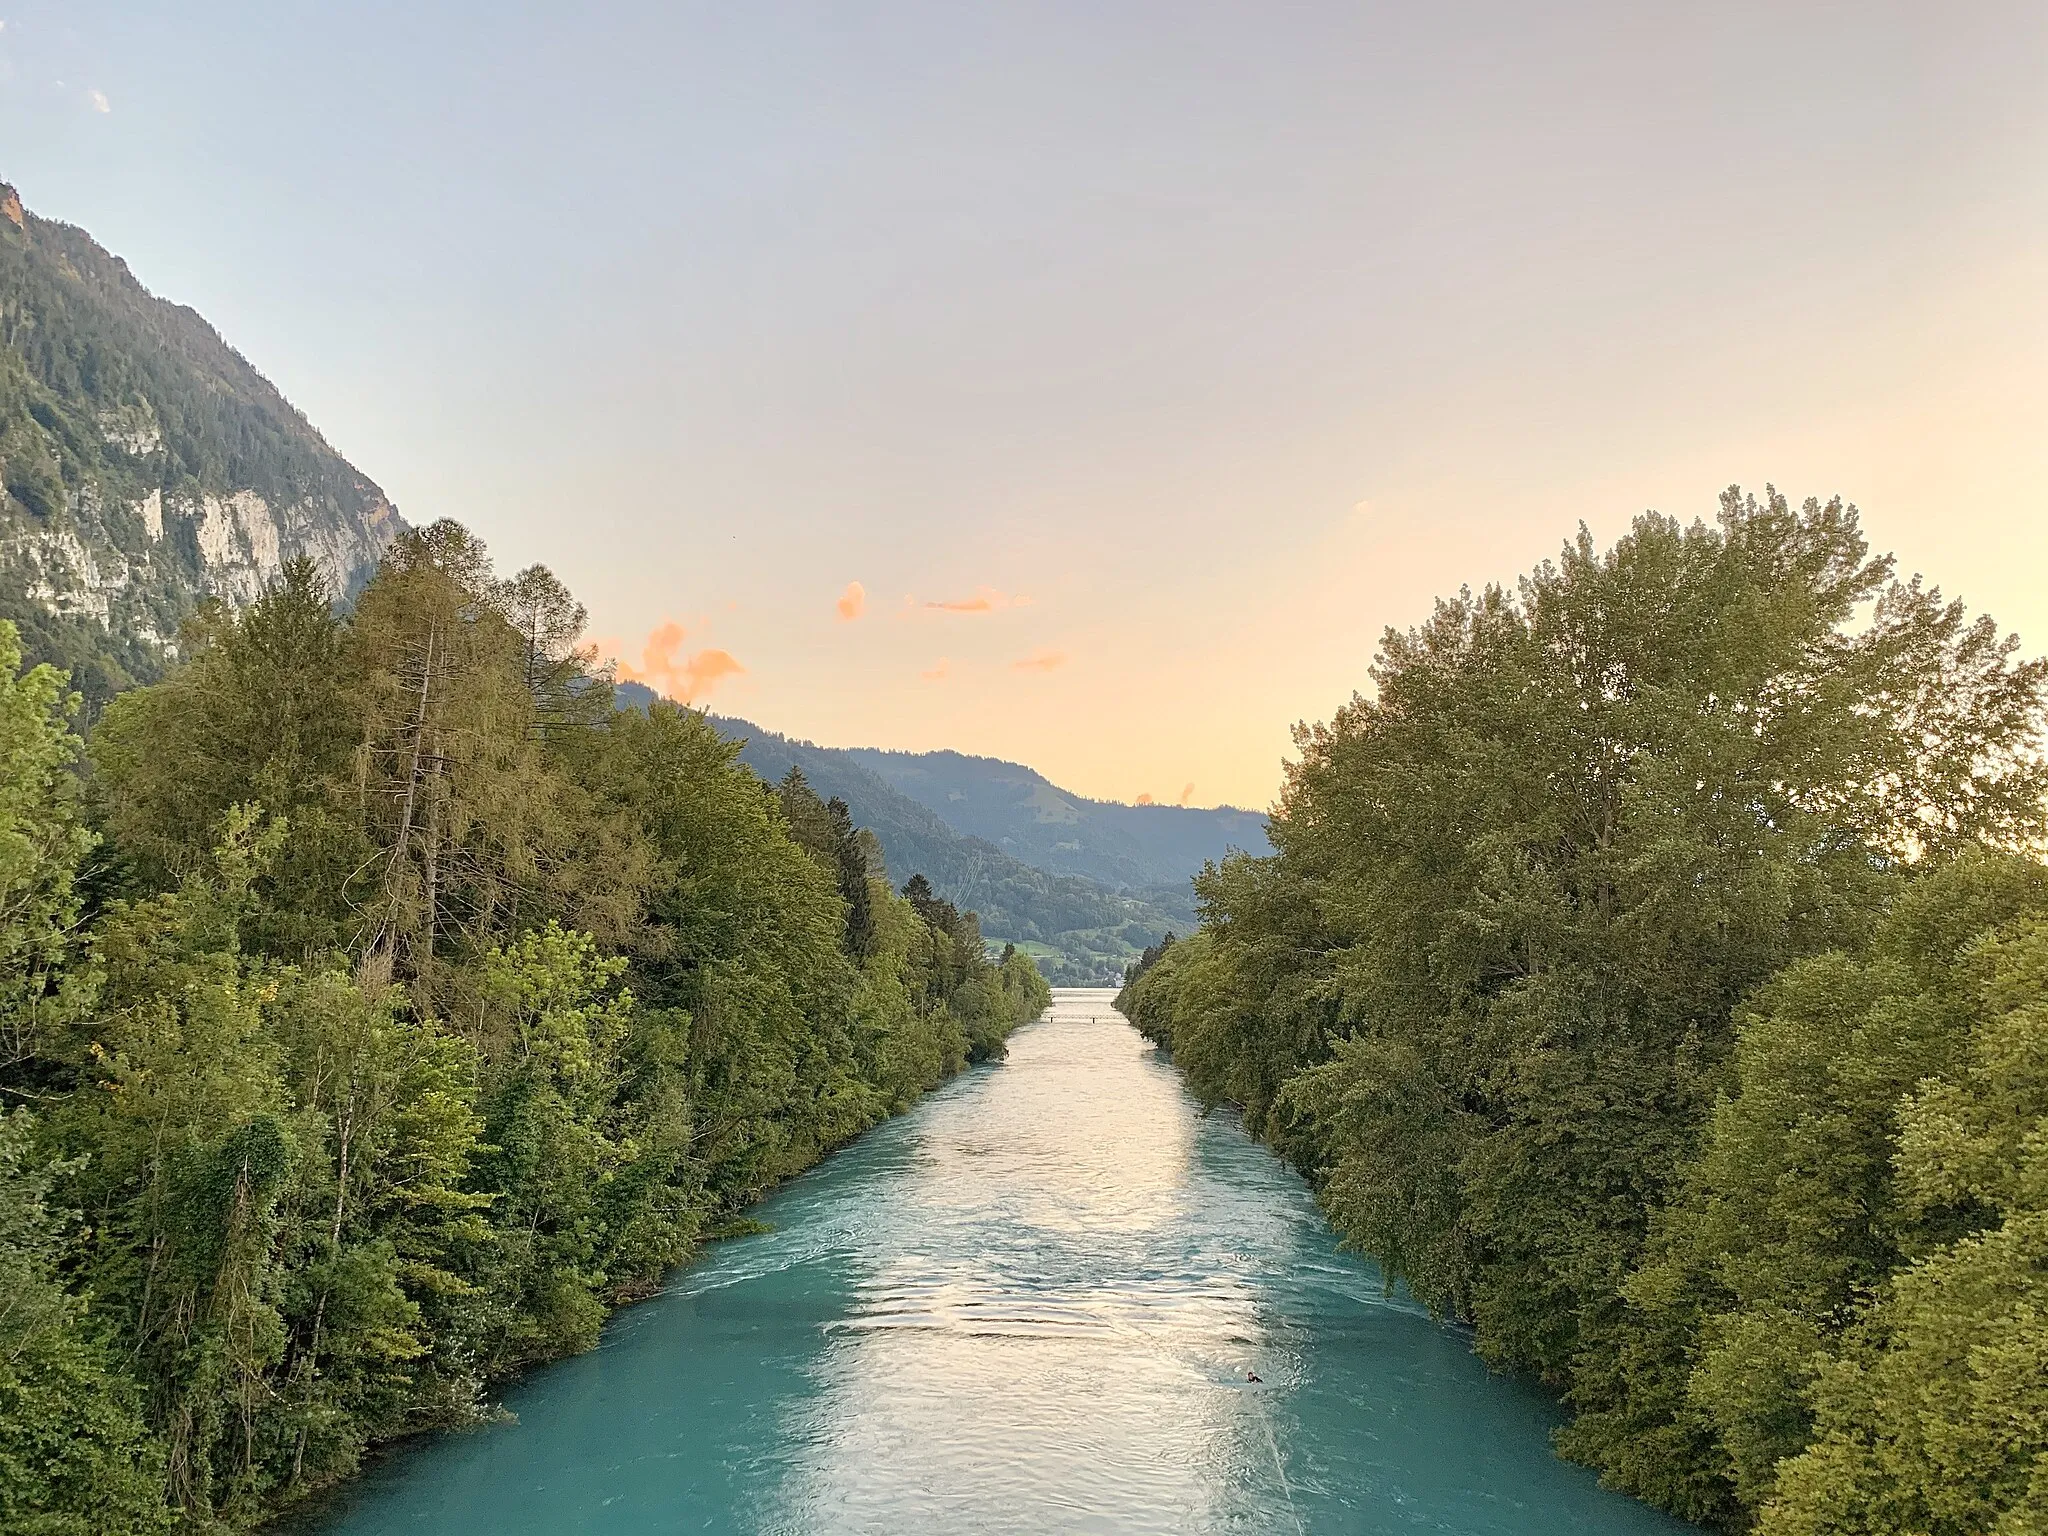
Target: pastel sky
{"points": [[1089, 384]]}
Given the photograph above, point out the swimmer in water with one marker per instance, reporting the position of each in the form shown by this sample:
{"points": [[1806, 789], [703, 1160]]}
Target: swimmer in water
{"points": [[1251, 1375]]}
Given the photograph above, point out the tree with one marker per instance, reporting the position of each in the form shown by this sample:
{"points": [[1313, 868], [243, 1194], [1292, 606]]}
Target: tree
{"points": [[413, 1030], [189, 1129], [549, 621], [266, 712], [1790, 1215], [75, 1458], [479, 831], [1932, 1417], [856, 885], [42, 842], [555, 1029], [374, 1226], [1490, 986]]}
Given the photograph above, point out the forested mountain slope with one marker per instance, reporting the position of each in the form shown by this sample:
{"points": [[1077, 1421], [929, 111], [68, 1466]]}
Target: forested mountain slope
{"points": [[1078, 930], [1153, 850], [145, 465]]}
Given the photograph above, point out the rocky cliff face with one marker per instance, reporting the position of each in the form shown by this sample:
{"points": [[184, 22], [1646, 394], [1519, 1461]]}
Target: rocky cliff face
{"points": [[145, 465]]}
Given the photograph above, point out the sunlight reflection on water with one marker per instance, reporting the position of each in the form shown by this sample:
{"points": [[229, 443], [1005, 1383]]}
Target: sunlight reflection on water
{"points": [[1039, 1331]]}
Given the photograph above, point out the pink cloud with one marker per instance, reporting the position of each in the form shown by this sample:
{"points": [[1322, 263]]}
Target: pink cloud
{"points": [[1039, 661], [985, 600], [937, 673], [665, 667], [853, 602], [1146, 800]]}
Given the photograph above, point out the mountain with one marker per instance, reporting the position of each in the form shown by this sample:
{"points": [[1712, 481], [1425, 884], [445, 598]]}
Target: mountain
{"points": [[1078, 930], [145, 465], [1149, 850]]}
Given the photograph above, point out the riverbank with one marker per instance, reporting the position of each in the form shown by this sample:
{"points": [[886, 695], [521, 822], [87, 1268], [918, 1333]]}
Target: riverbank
{"points": [[391, 1458], [1035, 1302]]}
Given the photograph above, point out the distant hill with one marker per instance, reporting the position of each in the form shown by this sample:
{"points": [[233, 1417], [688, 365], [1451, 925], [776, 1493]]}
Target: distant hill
{"points": [[145, 465], [1151, 850], [1078, 930]]}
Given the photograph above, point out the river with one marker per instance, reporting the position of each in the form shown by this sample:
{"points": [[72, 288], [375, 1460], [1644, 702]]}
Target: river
{"points": [[1036, 1303]]}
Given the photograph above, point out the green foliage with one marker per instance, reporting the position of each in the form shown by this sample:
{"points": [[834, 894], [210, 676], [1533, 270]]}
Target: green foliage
{"points": [[1790, 1215], [557, 1138], [184, 1128], [265, 712], [1599, 950], [1932, 1414], [41, 845], [429, 1009], [75, 1459]]}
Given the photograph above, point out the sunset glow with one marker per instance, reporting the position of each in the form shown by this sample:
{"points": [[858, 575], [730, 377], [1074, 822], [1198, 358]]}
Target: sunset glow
{"points": [[1195, 375]]}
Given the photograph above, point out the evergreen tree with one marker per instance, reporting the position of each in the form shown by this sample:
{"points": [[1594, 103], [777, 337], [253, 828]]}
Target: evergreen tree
{"points": [[266, 712]]}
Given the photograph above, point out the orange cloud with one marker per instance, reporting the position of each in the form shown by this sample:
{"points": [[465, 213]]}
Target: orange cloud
{"points": [[853, 602], [703, 671], [1039, 661], [666, 669], [1187, 793], [936, 673], [985, 600]]}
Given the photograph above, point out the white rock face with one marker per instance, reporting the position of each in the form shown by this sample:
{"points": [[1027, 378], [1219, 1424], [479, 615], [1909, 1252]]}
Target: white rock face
{"points": [[259, 531], [66, 578], [76, 565], [218, 545], [134, 432], [240, 543]]}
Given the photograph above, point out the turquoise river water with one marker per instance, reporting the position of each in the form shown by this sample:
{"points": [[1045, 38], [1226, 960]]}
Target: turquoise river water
{"points": [[1036, 1303]]}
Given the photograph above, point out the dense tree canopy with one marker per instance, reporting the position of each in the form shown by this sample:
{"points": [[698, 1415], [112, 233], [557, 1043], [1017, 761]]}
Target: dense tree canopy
{"points": [[1601, 946], [381, 1007]]}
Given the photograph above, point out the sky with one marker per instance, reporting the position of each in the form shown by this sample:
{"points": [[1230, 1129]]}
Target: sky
{"points": [[1089, 384]]}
